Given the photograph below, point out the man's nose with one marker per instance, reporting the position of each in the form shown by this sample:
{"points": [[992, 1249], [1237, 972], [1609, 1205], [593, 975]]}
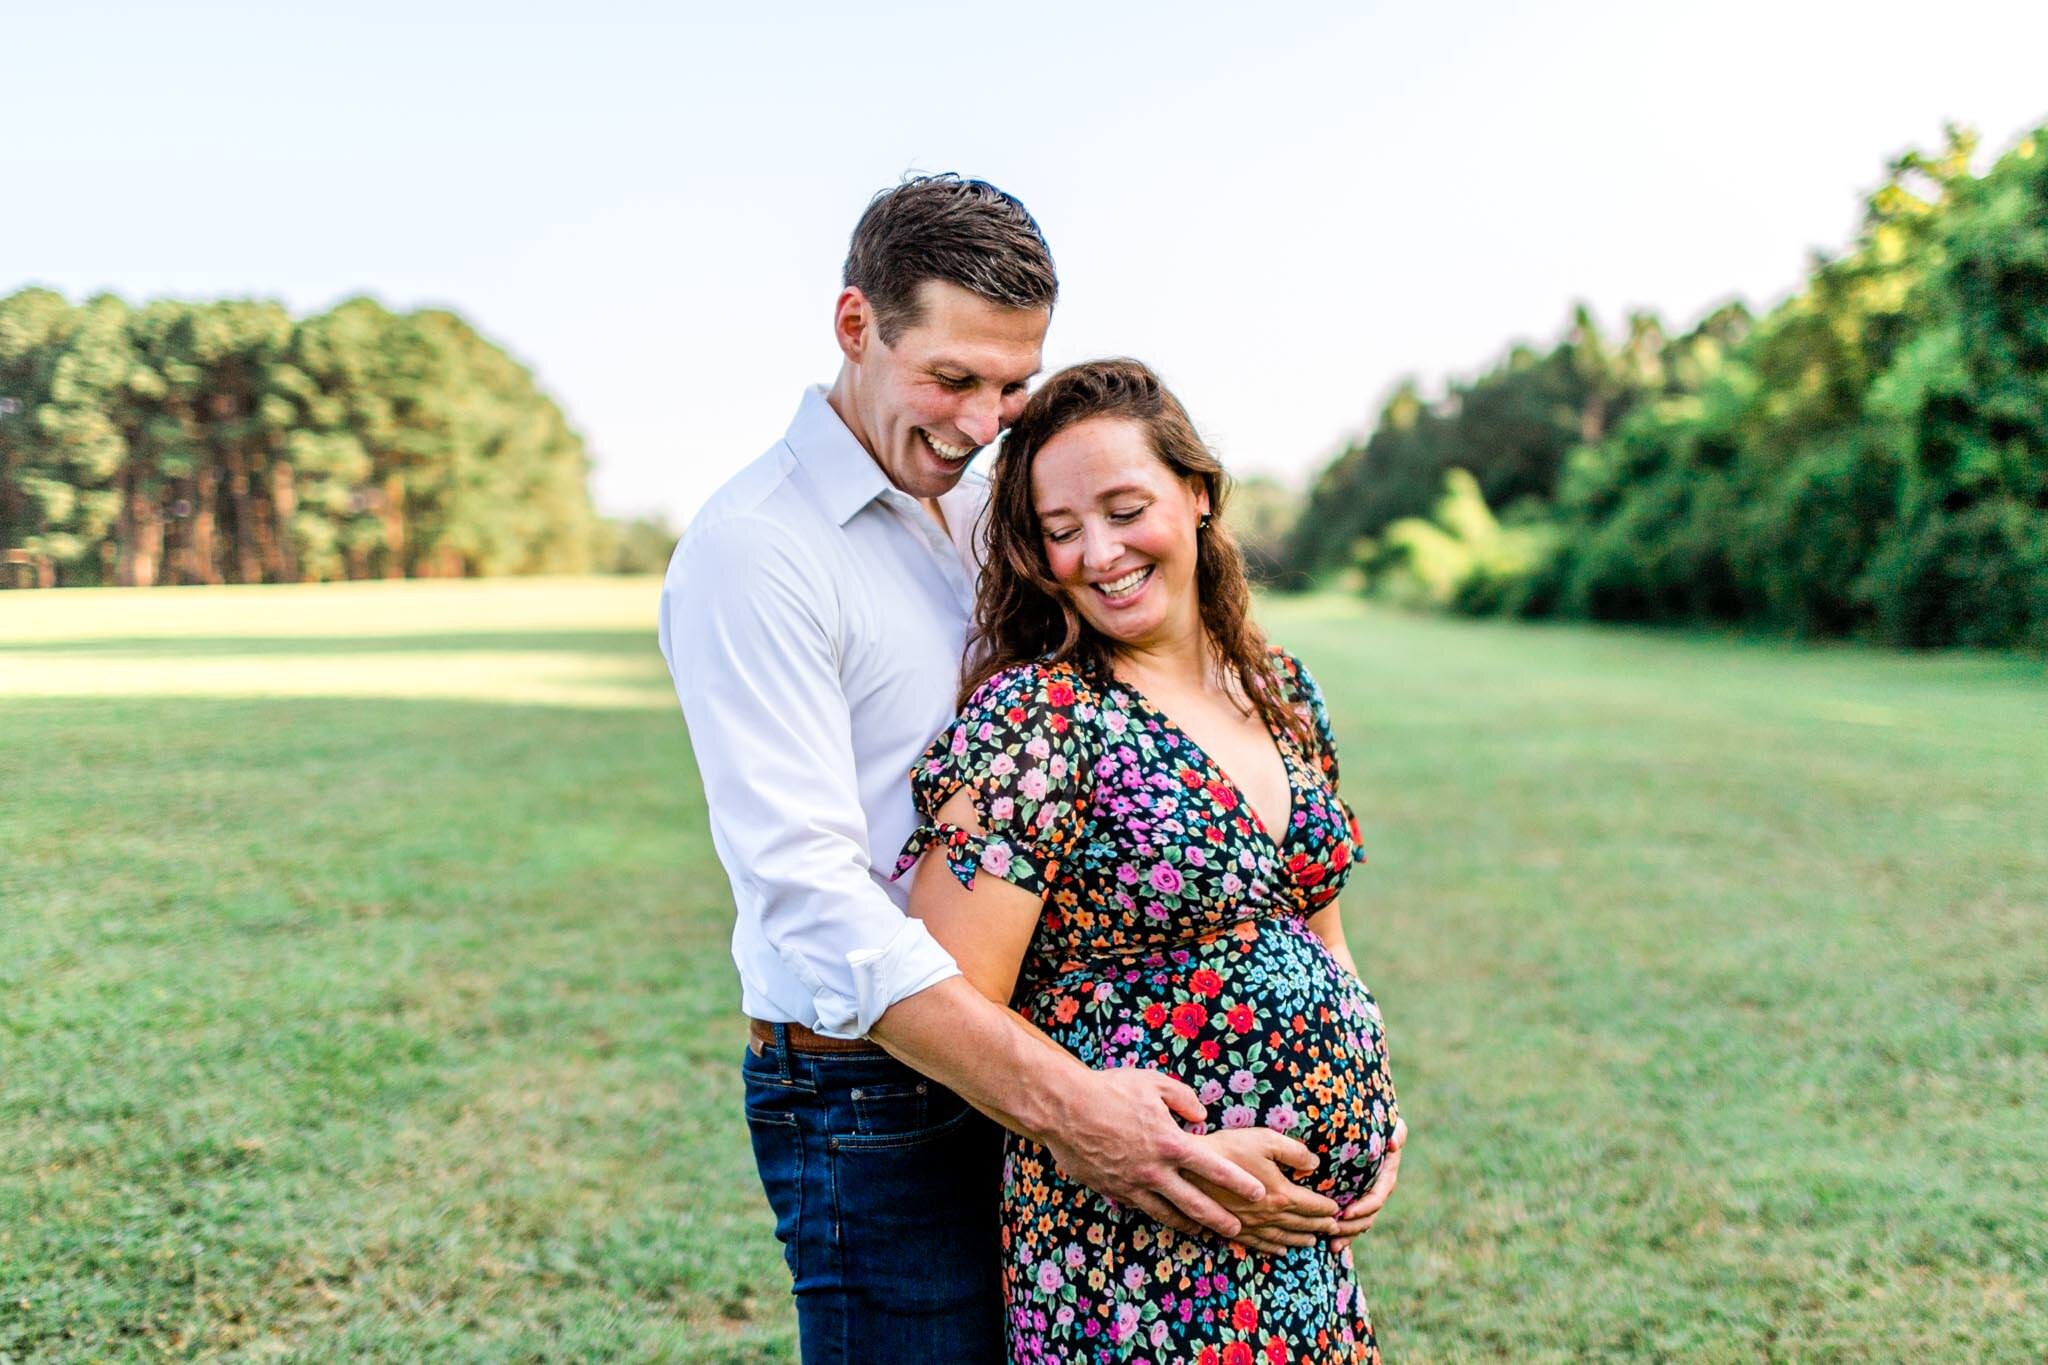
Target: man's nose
{"points": [[982, 418]]}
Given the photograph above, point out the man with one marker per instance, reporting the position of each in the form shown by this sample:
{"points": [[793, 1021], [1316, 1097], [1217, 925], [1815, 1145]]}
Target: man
{"points": [[813, 618]]}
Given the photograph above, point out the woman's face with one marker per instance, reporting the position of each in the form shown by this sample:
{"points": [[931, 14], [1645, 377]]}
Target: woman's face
{"points": [[1119, 530]]}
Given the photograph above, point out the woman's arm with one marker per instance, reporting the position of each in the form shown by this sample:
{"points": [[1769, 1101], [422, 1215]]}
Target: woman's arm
{"points": [[986, 927], [1328, 925]]}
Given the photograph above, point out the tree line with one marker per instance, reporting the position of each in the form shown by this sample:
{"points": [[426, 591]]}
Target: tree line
{"points": [[229, 442], [1869, 458]]}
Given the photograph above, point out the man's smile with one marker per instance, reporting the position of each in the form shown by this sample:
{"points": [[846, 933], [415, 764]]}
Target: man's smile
{"points": [[951, 454]]}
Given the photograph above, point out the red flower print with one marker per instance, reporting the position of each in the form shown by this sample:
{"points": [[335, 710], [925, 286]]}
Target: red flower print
{"points": [[1223, 796], [1237, 1353], [1208, 1356], [1015, 715], [1190, 778], [1213, 834], [1067, 1008], [1059, 723], [1188, 1019], [1155, 1015], [1276, 1351], [1240, 1019], [1205, 983], [1244, 1315], [1060, 694], [1296, 864], [1210, 1049], [1312, 874], [1340, 857]]}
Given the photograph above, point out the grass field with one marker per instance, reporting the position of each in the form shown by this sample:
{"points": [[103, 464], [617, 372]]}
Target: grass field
{"points": [[364, 994]]}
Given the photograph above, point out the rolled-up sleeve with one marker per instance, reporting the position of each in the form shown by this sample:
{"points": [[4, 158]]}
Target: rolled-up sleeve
{"points": [[747, 629]]}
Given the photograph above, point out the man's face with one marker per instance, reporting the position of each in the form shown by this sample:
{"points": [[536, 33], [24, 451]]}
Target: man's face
{"points": [[947, 386]]}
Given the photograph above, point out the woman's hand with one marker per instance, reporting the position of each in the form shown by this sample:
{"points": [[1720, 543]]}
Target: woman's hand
{"points": [[1359, 1216], [1287, 1215]]}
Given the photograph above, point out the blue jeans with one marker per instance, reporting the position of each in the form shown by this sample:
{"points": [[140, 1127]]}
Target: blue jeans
{"points": [[886, 1189]]}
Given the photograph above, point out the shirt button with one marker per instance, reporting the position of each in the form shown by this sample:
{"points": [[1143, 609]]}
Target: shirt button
{"points": [[856, 1094]]}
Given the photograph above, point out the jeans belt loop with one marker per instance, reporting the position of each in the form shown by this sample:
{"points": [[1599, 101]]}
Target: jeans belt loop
{"points": [[782, 1052]]}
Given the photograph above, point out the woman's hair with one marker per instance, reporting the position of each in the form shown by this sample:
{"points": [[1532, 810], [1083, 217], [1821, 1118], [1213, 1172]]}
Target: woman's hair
{"points": [[1023, 615]]}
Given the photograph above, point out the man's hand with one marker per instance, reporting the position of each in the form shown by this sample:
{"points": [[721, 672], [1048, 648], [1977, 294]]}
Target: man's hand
{"points": [[1116, 1134], [1286, 1214], [1359, 1216]]}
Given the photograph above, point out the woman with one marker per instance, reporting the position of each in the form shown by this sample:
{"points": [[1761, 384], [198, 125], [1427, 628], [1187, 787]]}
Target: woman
{"points": [[1138, 809]]}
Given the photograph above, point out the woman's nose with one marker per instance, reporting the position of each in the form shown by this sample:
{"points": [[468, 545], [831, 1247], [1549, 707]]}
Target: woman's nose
{"points": [[1100, 547]]}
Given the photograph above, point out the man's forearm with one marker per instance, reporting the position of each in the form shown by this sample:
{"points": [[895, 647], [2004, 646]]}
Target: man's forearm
{"points": [[988, 1055]]}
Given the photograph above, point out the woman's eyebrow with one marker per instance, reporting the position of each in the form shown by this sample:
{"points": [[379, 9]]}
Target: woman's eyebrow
{"points": [[1121, 490]]}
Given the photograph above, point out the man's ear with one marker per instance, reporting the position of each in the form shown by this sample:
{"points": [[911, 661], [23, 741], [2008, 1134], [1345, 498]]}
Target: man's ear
{"points": [[853, 324]]}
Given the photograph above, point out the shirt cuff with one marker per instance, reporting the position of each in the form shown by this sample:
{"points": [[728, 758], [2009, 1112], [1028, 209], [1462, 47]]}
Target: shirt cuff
{"points": [[909, 962]]}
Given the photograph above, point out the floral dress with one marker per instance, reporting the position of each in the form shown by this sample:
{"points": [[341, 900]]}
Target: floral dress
{"points": [[1172, 937]]}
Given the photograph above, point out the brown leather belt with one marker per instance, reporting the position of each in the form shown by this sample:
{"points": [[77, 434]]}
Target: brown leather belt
{"points": [[761, 1035]]}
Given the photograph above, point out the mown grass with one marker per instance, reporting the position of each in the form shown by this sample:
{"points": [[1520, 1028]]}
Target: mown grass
{"points": [[364, 992]]}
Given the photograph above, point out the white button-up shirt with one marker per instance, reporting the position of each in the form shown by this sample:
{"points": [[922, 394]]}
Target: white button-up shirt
{"points": [[813, 619]]}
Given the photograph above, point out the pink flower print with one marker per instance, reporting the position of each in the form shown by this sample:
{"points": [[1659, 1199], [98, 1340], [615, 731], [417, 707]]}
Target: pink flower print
{"points": [[1197, 858], [1243, 1082], [934, 766], [1282, 1117], [1126, 1321], [987, 729], [1165, 878], [1002, 808], [1211, 1091], [1127, 874], [1239, 1116], [1116, 722], [1058, 766], [1134, 1276], [1049, 1277], [1232, 884], [1065, 1316], [995, 856], [1002, 765], [1038, 748], [959, 745], [1074, 1256], [1033, 784]]}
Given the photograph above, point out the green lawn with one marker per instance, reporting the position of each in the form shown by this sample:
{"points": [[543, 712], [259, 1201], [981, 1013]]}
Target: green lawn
{"points": [[364, 993]]}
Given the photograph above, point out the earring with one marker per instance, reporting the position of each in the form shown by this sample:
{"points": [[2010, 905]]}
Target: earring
{"points": [[1203, 524]]}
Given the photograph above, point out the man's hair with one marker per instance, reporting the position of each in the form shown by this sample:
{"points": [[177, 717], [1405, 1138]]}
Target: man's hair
{"points": [[941, 227]]}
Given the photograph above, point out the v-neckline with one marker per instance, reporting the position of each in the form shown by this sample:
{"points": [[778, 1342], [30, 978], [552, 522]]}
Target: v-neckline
{"points": [[1215, 766]]}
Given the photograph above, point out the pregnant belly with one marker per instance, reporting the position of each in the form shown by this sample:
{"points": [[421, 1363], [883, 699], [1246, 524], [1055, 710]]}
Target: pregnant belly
{"points": [[1265, 1025]]}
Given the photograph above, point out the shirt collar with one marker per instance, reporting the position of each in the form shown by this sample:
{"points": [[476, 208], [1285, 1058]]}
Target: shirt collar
{"points": [[845, 477]]}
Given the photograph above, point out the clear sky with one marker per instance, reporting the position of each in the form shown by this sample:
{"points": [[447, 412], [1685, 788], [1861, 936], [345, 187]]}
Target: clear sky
{"points": [[1284, 208]]}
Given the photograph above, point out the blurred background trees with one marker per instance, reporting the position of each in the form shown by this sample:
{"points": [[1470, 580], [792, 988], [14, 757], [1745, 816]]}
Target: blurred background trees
{"points": [[226, 442], [1868, 459]]}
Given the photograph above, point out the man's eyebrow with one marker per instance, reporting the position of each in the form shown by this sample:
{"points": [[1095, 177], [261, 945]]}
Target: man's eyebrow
{"points": [[1121, 490]]}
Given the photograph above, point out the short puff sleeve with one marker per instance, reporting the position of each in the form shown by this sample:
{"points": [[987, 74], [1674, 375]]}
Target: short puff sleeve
{"points": [[1308, 702], [1024, 747]]}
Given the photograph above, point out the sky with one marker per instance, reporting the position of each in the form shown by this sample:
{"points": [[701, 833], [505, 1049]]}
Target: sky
{"points": [[1285, 211]]}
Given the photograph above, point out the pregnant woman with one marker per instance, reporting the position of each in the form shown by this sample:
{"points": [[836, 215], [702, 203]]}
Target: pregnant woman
{"points": [[1133, 835]]}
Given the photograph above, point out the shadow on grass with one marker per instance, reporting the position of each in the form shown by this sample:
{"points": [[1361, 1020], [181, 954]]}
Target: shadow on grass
{"points": [[636, 643]]}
